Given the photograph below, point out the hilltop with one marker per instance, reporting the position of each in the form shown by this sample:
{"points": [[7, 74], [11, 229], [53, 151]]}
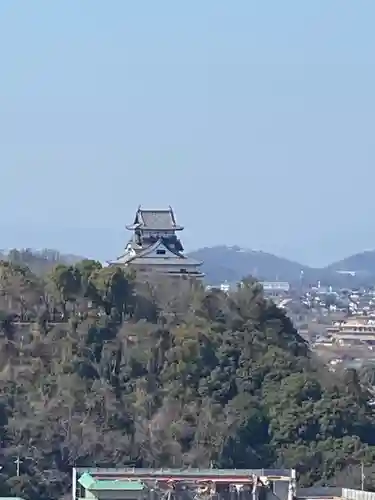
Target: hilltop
{"points": [[361, 263], [222, 263]]}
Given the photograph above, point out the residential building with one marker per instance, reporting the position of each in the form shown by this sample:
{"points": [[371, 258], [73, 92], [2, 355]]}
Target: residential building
{"points": [[275, 288], [353, 331]]}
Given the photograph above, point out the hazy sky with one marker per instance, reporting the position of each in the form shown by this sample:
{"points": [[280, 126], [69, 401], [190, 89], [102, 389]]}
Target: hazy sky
{"points": [[253, 119]]}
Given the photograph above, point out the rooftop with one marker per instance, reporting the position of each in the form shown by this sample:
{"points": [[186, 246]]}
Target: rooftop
{"points": [[186, 473], [155, 219], [90, 483], [147, 256]]}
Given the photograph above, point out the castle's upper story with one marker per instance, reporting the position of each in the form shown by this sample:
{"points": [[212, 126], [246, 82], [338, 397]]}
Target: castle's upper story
{"points": [[149, 226]]}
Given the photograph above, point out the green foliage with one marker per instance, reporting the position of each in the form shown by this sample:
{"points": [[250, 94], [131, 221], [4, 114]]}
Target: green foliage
{"points": [[367, 375], [97, 368]]}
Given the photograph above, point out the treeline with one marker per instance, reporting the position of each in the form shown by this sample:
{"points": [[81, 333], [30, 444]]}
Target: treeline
{"points": [[39, 262], [163, 373]]}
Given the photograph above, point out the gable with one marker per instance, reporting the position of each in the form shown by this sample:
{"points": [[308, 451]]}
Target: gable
{"points": [[159, 250]]}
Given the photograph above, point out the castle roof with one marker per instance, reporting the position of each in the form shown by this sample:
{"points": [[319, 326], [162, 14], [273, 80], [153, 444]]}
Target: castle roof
{"points": [[173, 261], [157, 220], [147, 256]]}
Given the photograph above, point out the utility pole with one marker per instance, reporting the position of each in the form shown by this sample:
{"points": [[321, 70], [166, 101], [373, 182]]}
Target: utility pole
{"points": [[18, 462], [362, 477]]}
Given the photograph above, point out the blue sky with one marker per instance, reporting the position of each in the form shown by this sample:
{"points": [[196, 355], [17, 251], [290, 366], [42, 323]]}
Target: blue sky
{"points": [[253, 119]]}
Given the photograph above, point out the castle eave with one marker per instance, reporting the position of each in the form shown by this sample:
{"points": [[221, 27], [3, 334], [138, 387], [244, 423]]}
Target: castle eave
{"points": [[121, 261], [168, 261], [133, 227]]}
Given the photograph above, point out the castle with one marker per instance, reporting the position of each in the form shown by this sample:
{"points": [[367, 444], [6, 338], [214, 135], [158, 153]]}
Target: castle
{"points": [[155, 247]]}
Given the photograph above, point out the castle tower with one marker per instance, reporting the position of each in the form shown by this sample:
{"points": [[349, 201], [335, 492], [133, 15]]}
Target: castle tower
{"points": [[155, 246]]}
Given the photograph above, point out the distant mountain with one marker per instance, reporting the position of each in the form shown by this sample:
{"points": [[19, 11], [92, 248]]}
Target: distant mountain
{"points": [[362, 263], [231, 264]]}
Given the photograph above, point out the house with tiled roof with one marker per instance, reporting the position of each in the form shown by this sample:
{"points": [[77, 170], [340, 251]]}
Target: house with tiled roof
{"points": [[155, 246]]}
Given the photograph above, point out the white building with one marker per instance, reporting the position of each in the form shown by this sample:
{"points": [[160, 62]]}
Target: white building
{"points": [[275, 287]]}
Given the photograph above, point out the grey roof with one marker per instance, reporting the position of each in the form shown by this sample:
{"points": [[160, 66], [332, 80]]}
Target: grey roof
{"points": [[124, 259], [147, 250], [154, 473], [142, 257], [138, 251], [155, 219]]}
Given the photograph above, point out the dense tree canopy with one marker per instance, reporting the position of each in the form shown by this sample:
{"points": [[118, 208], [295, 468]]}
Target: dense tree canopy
{"points": [[98, 368]]}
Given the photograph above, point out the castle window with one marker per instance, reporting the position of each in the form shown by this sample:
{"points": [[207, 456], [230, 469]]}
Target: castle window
{"points": [[160, 251]]}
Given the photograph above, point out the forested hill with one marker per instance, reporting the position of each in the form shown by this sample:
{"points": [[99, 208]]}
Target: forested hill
{"points": [[109, 371], [363, 262], [40, 262]]}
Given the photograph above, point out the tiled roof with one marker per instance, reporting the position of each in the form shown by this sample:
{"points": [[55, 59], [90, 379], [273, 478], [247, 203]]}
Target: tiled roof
{"points": [[143, 257], [159, 243], [157, 219], [124, 259]]}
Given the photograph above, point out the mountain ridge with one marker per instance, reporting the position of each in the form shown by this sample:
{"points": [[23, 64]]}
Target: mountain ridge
{"points": [[231, 263]]}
